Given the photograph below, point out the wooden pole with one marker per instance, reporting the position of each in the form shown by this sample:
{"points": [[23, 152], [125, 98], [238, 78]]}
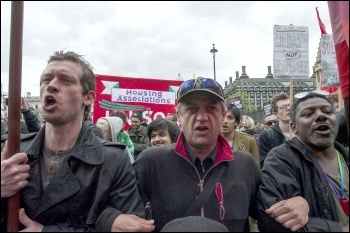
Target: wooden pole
{"points": [[340, 98], [14, 102], [346, 106], [291, 97]]}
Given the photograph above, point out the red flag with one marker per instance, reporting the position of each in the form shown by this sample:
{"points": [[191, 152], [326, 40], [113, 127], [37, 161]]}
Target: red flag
{"points": [[339, 16], [322, 27]]}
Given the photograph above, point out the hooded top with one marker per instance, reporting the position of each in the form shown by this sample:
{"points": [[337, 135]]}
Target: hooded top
{"points": [[115, 125]]}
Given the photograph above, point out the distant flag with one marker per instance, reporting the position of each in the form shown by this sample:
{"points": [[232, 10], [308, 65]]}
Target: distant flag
{"points": [[339, 16], [322, 27]]}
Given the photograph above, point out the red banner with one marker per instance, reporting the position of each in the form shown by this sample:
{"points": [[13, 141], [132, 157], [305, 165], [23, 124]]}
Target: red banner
{"points": [[339, 16], [153, 97]]}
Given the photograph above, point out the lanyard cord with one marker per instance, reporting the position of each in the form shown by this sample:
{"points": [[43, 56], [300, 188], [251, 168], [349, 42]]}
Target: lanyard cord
{"points": [[340, 193]]}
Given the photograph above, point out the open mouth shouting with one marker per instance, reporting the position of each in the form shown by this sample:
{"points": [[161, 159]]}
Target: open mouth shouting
{"points": [[49, 102]]}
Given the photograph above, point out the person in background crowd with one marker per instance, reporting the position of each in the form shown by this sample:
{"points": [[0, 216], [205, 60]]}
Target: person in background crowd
{"points": [[32, 123], [248, 125], [145, 123], [111, 127], [280, 132], [311, 168], [162, 132], [172, 117], [238, 141], [138, 134], [258, 128], [170, 177], [68, 179], [270, 121], [123, 136], [250, 128], [240, 124]]}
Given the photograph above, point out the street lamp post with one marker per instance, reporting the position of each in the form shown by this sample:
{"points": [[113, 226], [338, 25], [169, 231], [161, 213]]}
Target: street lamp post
{"points": [[213, 51]]}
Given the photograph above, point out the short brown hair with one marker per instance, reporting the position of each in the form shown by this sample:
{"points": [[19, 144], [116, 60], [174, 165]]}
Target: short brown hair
{"points": [[276, 98], [120, 114]]}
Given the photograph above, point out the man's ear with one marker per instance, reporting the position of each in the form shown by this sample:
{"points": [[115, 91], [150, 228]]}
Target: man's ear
{"points": [[89, 98], [292, 126], [178, 117]]}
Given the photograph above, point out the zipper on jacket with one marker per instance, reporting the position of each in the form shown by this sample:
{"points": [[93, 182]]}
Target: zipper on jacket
{"points": [[201, 181], [203, 169], [200, 185]]}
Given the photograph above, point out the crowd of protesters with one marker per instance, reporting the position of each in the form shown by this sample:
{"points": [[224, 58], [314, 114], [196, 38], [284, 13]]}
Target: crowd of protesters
{"points": [[220, 170]]}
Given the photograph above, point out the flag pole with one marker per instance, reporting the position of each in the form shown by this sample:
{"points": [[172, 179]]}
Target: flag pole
{"points": [[291, 97], [14, 102]]}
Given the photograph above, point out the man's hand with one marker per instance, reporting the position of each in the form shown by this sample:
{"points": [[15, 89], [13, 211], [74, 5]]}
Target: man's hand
{"points": [[291, 213], [132, 223], [14, 172], [31, 226], [24, 105]]}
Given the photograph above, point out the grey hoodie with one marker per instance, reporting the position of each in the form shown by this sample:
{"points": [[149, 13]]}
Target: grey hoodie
{"points": [[115, 125]]}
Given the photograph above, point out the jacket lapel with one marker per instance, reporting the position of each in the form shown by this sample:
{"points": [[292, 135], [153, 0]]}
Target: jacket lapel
{"points": [[63, 185]]}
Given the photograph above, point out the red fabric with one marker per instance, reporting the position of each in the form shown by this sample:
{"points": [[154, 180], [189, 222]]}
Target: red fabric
{"points": [[342, 53], [330, 90], [339, 16], [105, 84], [322, 27]]}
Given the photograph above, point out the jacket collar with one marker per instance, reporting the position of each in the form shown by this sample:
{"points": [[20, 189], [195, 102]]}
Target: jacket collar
{"points": [[224, 152], [277, 129], [88, 147], [295, 143]]}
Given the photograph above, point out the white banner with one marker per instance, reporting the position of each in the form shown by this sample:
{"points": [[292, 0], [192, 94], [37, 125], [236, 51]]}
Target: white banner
{"points": [[290, 52], [330, 74], [143, 96]]}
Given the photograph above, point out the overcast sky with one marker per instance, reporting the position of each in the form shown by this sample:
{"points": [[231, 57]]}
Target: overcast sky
{"points": [[157, 39]]}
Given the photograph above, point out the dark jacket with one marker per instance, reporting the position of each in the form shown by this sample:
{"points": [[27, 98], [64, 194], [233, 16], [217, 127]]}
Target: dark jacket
{"points": [[140, 140], [265, 143], [94, 184], [3, 128], [169, 180], [291, 171], [343, 135], [32, 122]]}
